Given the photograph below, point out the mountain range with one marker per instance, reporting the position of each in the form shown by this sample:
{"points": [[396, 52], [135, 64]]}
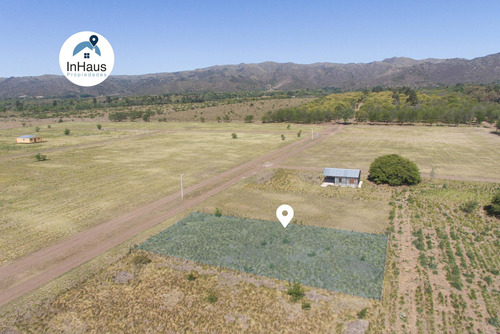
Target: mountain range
{"points": [[397, 71]]}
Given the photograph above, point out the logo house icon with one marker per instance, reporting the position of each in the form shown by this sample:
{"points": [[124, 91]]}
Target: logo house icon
{"points": [[87, 47], [86, 58]]}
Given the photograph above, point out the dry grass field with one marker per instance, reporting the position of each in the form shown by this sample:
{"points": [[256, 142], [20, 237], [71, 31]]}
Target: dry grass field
{"points": [[169, 295], [362, 210], [461, 152], [79, 187], [442, 272]]}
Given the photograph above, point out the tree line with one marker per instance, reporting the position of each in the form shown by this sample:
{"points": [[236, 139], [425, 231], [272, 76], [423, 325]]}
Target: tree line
{"points": [[403, 105]]}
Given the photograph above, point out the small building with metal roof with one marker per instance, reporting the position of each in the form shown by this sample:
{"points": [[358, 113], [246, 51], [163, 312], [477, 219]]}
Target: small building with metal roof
{"points": [[28, 139], [342, 177]]}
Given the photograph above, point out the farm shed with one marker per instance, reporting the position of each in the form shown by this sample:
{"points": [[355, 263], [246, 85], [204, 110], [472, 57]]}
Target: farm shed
{"points": [[341, 177], [29, 139]]}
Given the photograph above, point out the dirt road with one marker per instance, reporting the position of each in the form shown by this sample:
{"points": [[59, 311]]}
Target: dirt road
{"points": [[36, 269]]}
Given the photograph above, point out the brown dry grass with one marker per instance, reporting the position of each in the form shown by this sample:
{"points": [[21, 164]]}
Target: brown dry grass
{"points": [[160, 298], [362, 210]]}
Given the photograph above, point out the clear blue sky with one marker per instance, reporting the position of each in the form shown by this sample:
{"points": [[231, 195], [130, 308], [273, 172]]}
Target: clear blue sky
{"points": [[164, 36]]}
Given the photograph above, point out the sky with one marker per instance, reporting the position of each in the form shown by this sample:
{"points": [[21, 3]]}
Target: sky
{"points": [[168, 36]]}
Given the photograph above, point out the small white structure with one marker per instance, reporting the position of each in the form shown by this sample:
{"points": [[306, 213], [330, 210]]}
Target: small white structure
{"points": [[342, 177]]}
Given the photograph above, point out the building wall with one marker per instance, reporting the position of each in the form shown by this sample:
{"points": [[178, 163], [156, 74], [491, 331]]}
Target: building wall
{"points": [[29, 140]]}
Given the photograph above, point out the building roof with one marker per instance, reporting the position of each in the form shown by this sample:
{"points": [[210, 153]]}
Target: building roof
{"points": [[341, 172], [27, 136]]}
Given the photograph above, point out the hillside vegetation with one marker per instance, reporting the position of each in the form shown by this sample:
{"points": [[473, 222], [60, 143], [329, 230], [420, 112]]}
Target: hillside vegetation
{"points": [[457, 105]]}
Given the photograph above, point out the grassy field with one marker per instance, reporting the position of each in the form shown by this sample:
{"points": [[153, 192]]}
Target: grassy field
{"points": [[170, 294], [452, 151], [442, 272], [80, 187], [362, 210], [338, 260]]}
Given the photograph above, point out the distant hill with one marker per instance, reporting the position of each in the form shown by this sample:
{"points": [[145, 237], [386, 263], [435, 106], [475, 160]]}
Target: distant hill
{"points": [[270, 75]]}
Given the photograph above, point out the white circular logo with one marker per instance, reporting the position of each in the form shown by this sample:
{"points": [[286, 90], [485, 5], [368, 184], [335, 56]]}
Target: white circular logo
{"points": [[86, 58]]}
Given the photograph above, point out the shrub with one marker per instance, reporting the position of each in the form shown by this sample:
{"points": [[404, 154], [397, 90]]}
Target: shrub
{"points": [[469, 206], [394, 170], [299, 133], [99, 126], [211, 297], [40, 157], [191, 276], [248, 118], [306, 306], [67, 131], [494, 322], [362, 314], [288, 127], [202, 119], [218, 212], [141, 259], [493, 208], [37, 129], [296, 291], [60, 120], [234, 135], [282, 137], [48, 126]]}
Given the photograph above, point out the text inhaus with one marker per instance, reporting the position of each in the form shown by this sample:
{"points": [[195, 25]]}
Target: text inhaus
{"points": [[86, 67]]}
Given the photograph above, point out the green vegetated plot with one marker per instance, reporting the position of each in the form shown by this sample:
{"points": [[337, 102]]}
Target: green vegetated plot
{"points": [[344, 261]]}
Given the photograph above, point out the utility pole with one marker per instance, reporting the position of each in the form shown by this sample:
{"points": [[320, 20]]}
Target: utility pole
{"points": [[182, 189]]}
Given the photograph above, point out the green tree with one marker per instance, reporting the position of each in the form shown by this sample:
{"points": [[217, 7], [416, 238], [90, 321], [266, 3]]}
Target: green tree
{"points": [[234, 135], [248, 118], [40, 157], [67, 131], [394, 170], [99, 126], [494, 207], [346, 114]]}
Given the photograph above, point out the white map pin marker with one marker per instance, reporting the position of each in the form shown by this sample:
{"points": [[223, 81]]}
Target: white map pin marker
{"points": [[284, 220]]}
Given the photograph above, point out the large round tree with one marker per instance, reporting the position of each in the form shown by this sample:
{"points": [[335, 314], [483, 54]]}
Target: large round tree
{"points": [[394, 170]]}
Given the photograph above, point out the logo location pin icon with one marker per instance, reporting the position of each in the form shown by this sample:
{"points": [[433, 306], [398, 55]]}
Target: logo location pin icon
{"points": [[284, 220], [93, 40]]}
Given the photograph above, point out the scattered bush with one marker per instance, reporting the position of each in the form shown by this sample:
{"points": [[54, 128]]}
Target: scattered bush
{"points": [[48, 126], [191, 276], [218, 212], [282, 137], [362, 314], [202, 119], [296, 291], [141, 259], [288, 127], [211, 297], [493, 208], [37, 129], [99, 126], [394, 170], [40, 157], [67, 131], [60, 120], [306, 306], [469, 206], [299, 133], [248, 118], [234, 135], [494, 322]]}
